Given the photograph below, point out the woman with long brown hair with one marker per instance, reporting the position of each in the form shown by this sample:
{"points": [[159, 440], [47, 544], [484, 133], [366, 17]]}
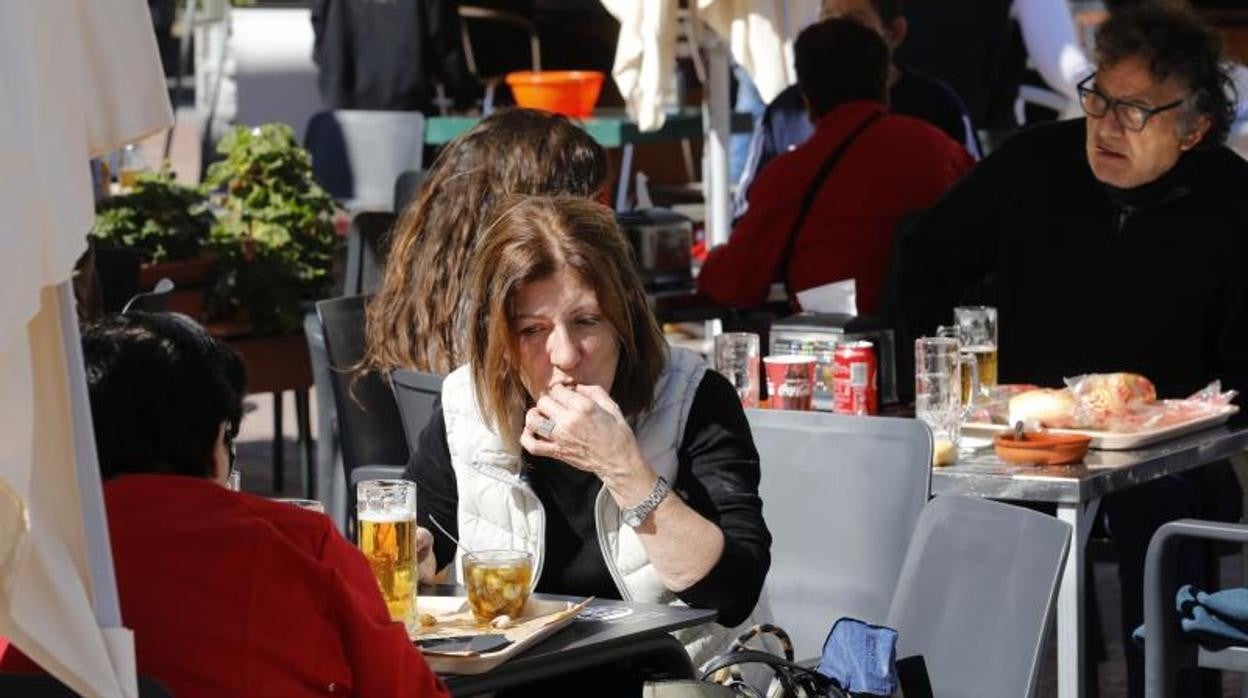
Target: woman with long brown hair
{"points": [[573, 431], [413, 321]]}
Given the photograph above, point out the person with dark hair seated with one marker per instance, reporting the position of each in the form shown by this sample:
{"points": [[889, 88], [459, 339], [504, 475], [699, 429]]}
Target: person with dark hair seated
{"points": [[228, 594], [814, 219], [786, 124], [1111, 243]]}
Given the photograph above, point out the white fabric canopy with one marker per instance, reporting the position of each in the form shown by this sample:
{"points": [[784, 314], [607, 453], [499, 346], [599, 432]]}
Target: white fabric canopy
{"points": [[78, 78], [759, 33]]}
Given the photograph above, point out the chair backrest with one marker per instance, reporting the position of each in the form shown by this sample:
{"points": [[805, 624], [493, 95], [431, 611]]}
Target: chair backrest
{"points": [[117, 272], [508, 35], [367, 244], [841, 496], [369, 426], [407, 187], [415, 392], [357, 155], [976, 594]]}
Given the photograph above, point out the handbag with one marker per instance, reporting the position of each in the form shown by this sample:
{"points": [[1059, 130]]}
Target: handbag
{"points": [[721, 676]]}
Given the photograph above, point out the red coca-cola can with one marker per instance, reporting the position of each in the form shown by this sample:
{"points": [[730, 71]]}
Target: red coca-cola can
{"points": [[854, 374]]}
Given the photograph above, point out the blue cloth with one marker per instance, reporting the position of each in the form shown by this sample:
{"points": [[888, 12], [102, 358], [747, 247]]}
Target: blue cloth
{"points": [[1231, 604], [1219, 618], [860, 658]]}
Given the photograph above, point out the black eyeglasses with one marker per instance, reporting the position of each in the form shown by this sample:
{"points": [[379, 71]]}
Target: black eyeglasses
{"points": [[1131, 116]]}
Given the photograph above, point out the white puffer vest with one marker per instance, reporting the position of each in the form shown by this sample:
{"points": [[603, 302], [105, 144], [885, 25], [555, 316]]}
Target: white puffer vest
{"points": [[499, 510]]}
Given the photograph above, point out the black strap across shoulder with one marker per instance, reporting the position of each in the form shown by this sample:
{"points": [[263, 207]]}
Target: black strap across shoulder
{"points": [[809, 199]]}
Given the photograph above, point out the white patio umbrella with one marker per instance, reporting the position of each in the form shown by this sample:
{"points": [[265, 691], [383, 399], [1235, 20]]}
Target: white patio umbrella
{"points": [[78, 78], [759, 34]]}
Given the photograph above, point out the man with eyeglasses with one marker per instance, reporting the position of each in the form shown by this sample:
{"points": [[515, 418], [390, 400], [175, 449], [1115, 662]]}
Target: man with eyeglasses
{"points": [[1112, 243]]}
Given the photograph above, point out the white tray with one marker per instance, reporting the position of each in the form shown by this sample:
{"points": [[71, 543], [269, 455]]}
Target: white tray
{"points": [[541, 619], [1122, 441]]}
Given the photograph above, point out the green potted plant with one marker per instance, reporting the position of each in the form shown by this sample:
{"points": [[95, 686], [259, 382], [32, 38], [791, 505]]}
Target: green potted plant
{"points": [[168, 224], [274, 237]]}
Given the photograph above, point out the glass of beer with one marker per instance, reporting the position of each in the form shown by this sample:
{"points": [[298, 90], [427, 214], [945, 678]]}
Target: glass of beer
{"points": [[498, 583], [938, 370], [736, 358], [976, 327], [386, 512]]}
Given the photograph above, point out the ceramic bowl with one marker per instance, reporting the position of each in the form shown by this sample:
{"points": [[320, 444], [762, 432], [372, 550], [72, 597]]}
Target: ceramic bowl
{"points": [[1041, 448]]}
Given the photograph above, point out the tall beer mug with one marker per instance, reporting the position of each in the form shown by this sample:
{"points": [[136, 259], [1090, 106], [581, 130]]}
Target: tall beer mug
{"points": [[386, 513], [976, 327]]}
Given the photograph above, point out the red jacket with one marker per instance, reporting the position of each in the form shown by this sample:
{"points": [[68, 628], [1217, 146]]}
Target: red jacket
{"points": [[899, 165], [229, 594]]}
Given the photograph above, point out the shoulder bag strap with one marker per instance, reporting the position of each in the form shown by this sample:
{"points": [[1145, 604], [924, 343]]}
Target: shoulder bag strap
{"points": [[809, 199]]}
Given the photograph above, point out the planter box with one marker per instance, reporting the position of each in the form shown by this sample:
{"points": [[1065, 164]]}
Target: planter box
{"points": [[191, 280]]}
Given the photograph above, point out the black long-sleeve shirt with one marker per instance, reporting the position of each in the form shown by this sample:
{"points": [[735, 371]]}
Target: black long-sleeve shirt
{"points": [[717, 476], [1086, 277]]}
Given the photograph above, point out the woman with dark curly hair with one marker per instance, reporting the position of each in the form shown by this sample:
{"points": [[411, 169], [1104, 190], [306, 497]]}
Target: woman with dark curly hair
{"points": [[413, 322]]}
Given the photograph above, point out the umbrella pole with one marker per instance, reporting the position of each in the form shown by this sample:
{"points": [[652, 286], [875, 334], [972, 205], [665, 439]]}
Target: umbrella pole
{"points": [[717, 113]]}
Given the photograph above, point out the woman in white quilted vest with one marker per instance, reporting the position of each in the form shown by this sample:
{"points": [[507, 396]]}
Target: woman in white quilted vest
{"points": [[574, 432]]}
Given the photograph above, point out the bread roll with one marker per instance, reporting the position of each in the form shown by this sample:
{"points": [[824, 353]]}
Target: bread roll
{"points": [[1050, 408]]}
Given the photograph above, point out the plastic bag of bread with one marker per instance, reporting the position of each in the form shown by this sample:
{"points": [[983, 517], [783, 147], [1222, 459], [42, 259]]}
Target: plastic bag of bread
{"points": [[1043, 407], [1101, 401]]}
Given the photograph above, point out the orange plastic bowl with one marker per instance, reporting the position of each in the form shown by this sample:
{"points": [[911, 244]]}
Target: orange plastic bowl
{"points": [[569, 92]]}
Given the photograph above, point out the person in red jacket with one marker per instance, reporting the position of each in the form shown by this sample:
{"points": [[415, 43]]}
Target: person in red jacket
{"points": [[890, 166], [228, 594]]}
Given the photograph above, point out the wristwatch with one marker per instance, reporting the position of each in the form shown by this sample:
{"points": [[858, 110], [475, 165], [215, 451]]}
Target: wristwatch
{"points": [[634, 516]]}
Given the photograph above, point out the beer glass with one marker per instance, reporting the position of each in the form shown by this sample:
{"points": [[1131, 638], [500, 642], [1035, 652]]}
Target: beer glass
{"points": [[386, 512], [736, 357], [976, 327], [938, 364], [498, 583]]}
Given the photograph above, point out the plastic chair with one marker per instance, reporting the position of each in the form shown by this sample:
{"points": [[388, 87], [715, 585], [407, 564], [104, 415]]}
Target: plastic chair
{"points": [[976, 595], [369, 427], [841, 496], [1166, 649], [367, 244], [357, 155], [416, 392]]}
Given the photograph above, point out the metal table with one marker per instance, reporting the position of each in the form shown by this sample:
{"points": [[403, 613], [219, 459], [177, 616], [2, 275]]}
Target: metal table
{"points": [[618, 630], [1077, 491]]}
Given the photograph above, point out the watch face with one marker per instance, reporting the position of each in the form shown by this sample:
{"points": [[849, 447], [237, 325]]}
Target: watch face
{"points": [[631, 519]]}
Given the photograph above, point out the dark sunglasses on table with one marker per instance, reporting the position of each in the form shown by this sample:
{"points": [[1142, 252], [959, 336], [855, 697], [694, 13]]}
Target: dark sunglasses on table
{"points": [[1131, 116]]}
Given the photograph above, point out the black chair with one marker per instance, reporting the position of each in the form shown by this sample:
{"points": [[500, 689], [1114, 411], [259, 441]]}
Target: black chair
{"points": [[369, 427], [416, 393], [117, 272], [407, 188], [44, 686], [367, 245]]}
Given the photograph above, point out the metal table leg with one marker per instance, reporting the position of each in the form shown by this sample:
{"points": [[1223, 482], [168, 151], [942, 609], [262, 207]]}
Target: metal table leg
{"points": [[1071, 636]]}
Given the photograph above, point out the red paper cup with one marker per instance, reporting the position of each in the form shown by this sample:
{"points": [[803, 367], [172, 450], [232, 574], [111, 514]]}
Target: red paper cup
{"points": [[790, 381]]}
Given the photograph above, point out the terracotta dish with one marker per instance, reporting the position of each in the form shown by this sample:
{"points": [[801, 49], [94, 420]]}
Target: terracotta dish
{"points": [[1041, 448]]}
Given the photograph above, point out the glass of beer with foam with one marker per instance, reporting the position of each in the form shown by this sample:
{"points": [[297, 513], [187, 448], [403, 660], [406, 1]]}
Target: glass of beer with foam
{"points": [[977, 331], [386, 514]]}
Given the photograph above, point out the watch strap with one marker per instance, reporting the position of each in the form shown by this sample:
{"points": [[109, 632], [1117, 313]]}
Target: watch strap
{"points": [[634, 516]]}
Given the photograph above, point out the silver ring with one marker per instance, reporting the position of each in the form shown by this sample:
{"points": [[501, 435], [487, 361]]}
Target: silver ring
{"points": [[544, 428]]}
